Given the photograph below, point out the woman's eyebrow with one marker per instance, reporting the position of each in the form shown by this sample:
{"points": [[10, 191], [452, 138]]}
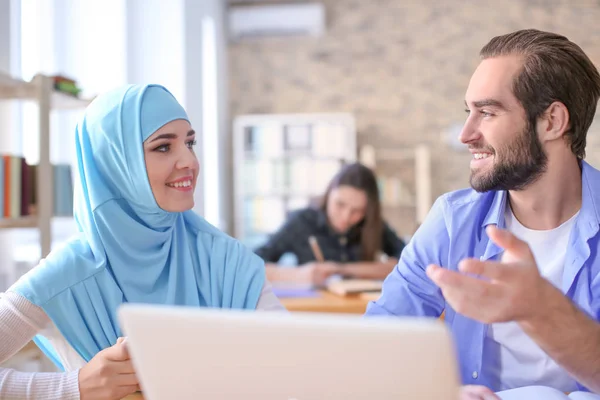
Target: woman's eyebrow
{"points": [[171, 135], [164, 136]]}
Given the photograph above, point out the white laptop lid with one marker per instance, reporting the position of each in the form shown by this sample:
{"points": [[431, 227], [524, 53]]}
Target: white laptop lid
{"points": [[193, 353]]}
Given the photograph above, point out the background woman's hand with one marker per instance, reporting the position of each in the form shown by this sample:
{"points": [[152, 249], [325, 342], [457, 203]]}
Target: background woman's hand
{"points": [[317, 273], [109, 375]]}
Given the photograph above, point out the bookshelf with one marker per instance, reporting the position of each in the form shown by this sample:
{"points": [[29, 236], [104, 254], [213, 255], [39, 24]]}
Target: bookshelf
{"points": [[39, 90], [22, 222], [282, 162], [405, 182]]}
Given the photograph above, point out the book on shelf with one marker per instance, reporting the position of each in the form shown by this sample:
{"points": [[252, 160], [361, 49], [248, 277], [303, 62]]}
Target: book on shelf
{"points": [[298, 202], [264, 140], [393, 192], [292, 176], [284, 164], [63, 190], [275, 140], [323, 173], [66, 85], [273, 189], [329, 140], [18, 188], [264, 214], [298, 138], [15, 187], [299, 175]]}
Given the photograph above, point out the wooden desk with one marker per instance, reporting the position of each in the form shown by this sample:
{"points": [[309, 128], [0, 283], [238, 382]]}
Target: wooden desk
{"points": [[135, 396], [327, 302]]}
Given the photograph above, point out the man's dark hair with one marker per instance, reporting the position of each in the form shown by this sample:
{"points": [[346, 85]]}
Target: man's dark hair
{"points": [[554, 69]]}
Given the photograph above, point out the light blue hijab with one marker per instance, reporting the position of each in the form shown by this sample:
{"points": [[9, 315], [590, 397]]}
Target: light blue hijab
{"points": [[129, 249]]}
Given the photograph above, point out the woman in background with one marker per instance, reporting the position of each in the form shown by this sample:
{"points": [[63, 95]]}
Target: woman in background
{"points": [[139, 241], [347, 233]]}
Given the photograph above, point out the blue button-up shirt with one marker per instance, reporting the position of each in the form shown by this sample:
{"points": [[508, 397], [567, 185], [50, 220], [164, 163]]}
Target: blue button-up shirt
{"points": [[455, 229]]}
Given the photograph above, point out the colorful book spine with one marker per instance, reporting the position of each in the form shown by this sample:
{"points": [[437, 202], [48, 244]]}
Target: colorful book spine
{"points": [[2, 185], [7, 196], [25, 187], [15, 187], [63, 190], [18, 188]]}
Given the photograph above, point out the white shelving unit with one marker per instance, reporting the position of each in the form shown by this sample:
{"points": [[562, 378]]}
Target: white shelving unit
{"points": [[281, 163], [41, 91], [420, 156]]}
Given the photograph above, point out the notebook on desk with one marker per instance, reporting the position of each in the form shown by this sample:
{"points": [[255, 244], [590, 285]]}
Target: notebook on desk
{"points": [[544, 393], [284, 290], [190, 353], [346, 287]]}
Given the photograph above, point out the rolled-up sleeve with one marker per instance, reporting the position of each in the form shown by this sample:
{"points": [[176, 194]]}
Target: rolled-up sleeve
{"points": [[392, 244], [407, 291]]}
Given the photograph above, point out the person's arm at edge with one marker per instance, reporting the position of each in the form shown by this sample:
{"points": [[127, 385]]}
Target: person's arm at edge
{"points": [[407, 290], [20, 321], [268, 301], [567, 335]]}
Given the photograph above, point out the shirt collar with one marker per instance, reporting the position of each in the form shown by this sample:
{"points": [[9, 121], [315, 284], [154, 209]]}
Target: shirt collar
{"points": [[590, 196], [590, 199], [495, 214]]}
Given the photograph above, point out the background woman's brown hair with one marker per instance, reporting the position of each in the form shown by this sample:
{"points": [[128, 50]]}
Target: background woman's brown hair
{"points": [[362, 178]]}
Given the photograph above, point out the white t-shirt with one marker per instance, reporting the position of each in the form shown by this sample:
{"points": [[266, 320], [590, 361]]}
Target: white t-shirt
{"points": [[520, 361]]}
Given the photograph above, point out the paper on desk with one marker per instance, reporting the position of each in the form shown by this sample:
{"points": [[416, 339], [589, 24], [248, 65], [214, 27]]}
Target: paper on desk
{"points": [[543, 393], [291, 292]]}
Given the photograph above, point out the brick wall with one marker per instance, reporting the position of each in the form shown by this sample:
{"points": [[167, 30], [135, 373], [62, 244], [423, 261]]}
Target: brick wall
{"points": [[401, 67]]}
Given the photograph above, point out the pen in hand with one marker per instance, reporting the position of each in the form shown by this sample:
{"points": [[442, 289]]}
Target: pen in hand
{"points": [[314, 245]]}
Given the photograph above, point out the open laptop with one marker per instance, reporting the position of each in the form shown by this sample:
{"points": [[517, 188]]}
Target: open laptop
{"points": [[193, 353]]}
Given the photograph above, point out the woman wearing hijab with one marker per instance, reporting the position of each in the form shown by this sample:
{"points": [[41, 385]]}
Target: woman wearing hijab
{"points": [[138, 242]]}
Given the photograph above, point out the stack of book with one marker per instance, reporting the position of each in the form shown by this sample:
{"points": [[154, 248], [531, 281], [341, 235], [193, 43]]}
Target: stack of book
{"points": [[66, 85], [18, 188]]}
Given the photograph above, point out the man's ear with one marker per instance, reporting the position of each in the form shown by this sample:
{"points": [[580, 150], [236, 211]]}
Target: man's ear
{"points": [[554, 123]]}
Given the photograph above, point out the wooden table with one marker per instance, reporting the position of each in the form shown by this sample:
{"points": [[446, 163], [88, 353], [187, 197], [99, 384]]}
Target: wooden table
{"points": [[327, 302], [135, 396]]}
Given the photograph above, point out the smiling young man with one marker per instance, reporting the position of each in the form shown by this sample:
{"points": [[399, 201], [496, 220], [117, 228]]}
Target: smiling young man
{"points": [[515, 261]]}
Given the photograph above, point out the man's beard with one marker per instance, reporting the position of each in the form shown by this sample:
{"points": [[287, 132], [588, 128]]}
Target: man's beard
{"points": [[516, 165]]}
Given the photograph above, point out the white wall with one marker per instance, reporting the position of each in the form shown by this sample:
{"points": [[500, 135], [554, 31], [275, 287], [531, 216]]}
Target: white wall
{"points": [[9, 111], [155, 44], [9, 63], [9, 11], [105, 44], [89, 42], [207, 102], [183, 47], [85, 49]]}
